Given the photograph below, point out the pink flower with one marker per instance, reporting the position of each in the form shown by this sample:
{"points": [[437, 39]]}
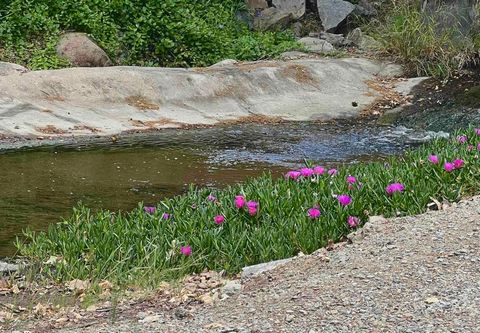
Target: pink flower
{"points": [[240, 201], [306, 172], [318, 170], [252, 207], [344, 199], [394, 187], [470, 147], [314, 213], [219, 219], [149, 209], [211, 197], [186, 250], [457, 164], [478, 147], [449, 167], [165, 216], [433, 159], [332, 172], [462, 138], [351, 180], [293, 174], [353, 221], [477, 131]]}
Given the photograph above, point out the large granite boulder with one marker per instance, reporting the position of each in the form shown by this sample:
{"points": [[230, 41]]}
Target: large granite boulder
{"points": [[333, 12], [272, 19], [81, 51], [296, 7], [7, 68]]}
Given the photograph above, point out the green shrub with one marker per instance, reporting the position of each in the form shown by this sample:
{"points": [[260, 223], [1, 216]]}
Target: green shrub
{"points": [[141, 247], [417, 40], [135, 32]]}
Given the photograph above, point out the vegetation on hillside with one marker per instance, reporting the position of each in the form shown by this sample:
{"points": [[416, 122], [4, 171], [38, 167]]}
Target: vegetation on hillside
{"points": [[135, 32], [262, 220]]}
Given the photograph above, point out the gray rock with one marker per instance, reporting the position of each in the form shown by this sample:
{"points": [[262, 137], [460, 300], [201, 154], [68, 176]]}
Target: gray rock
{"points": [[272, 19], [337, 40], [81, 51], [405, 87], [365, 8], [256, 4], [251, 271], [333, 12], [296, 7], [316, 45], [231, 287], [8, 268], [7, 68], [362, 41], [226, 62]]}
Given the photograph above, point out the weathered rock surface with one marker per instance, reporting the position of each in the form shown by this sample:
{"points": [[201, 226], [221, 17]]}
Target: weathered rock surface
{"points": [[7, 268], [252, 271], [316, 45], [290, 55], [272, 19], [296, 7], [7, 68], [111, 100], [256, 4], [81, 51], [362, 41], [333, 12], [337, 40]]}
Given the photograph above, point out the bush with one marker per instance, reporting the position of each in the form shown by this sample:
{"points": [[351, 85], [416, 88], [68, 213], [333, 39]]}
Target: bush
{"points": [[135, 32], [421, 43], [151, 243]]}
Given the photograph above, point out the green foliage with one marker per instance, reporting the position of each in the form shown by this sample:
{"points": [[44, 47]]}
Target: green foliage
{"points": [[135, 32], [138, 247], [417, 39]]}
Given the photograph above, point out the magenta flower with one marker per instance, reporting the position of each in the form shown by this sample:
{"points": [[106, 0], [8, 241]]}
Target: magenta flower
{"points": [[449, 167], [457, 164], [219, 219], [293, 174], [332, 172], [394, 187], [149, 209], [252, 207], [211, 197], [462, 138], [477, 131], [353, 221], [344, 199], [186, 250], [351, 180], [433, 159], [240, 201], [165, 216], [318, 170], [306, 172], [314, 213]]}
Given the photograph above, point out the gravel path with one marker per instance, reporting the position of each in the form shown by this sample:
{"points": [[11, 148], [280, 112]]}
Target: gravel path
{"points": [[413, 274]]}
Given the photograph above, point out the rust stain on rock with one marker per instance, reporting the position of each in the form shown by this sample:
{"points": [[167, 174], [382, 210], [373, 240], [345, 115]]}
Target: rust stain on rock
{"points": [[299, 73], [50, 129], [141, 103]]}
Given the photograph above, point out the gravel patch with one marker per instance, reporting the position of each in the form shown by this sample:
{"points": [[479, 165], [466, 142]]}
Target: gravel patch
{"points": [[412, 274]]}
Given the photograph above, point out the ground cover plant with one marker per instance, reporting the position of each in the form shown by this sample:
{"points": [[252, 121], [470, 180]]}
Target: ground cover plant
{"points": [[135, 32], [258, 221]]}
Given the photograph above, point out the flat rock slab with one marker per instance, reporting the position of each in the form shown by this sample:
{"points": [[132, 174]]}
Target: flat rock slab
{"points": [[6, 268], [254, 270], [108, 101]]}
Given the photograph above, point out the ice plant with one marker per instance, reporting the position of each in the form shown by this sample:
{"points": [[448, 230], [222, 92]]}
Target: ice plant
{"points": [[186, 250], [457, 164], [477, 131], [449, 167], [306, 172], [332, 172], [433, 159], [462, 138], [293, 174], [211, 197], [394, 187], [240, 201], [353, 221], [149, 209], [165, 216], [219, 219], [318, 170], [252, 207], [344, 199], [314, 213], [351, 180]]}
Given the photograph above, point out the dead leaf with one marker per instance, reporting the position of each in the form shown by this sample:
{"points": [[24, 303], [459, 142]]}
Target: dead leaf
{"points": [[432, 300], [213, 326], [40, 309], [78, 285], [15, 289], [105, 285]]}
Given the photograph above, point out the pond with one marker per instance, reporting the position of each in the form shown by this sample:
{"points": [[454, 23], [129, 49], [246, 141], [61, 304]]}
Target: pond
{"points": [[41, 185]]}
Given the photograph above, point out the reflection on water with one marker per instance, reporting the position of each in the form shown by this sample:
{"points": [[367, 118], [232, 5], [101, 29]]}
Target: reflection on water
{"points": [[40, 187]]}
